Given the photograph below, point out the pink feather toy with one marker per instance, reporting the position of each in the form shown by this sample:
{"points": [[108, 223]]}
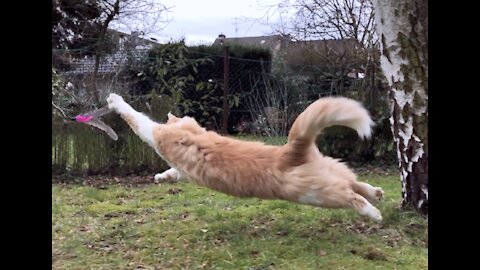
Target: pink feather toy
{"points": [[92, 118]]}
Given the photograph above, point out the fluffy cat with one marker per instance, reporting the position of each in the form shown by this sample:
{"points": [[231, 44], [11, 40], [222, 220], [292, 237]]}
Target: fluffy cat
{"points": [[295, 172]]}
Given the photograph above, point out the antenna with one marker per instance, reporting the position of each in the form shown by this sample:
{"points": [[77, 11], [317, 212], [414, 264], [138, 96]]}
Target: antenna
{"points": [[236, 27]]}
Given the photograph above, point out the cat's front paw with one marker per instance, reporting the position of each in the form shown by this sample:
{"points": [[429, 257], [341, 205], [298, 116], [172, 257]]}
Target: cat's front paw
{"points": [[170, 175], [160, 177], [115, 102]]}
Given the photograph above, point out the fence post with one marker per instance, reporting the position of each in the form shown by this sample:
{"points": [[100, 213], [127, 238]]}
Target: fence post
{"points": [[226, 107]]}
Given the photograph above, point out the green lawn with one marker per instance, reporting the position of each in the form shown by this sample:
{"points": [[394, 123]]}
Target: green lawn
{"points": [[182, 226]]}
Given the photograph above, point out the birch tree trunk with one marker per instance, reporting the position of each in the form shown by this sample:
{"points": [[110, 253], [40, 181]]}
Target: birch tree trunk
{"points": [[402, 27]]}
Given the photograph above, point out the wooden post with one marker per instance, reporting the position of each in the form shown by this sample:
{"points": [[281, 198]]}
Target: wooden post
{"points": [[226, 107]]}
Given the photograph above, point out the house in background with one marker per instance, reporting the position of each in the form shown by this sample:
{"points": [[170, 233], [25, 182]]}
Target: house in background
{"points": [[125, 43], [276, 43], [81, 70], [283, 43], [133, 41]]}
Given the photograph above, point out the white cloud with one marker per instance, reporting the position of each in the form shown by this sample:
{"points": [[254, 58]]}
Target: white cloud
{"points": [[200, 22]]}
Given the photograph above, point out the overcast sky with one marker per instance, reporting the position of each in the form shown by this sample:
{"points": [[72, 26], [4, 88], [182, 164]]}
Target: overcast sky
{"points": [[200, 22]]}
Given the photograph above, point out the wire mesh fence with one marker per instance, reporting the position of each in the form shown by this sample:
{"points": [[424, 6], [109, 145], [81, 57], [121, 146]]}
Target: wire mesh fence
{"points": [[263, 99]]}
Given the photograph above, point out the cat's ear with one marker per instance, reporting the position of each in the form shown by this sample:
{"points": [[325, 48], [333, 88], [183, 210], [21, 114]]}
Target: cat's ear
{"points": [[172, 117]]}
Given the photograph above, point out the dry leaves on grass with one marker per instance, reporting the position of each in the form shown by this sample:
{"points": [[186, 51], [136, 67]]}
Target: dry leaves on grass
{"points": [[102, 181]]}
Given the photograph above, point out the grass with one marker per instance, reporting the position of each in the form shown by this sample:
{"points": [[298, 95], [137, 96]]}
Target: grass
{"points": [[183, 226]]}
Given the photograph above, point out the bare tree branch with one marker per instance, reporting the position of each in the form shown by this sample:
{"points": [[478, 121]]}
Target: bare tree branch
{"points": [[59, 109], [336, 19]]}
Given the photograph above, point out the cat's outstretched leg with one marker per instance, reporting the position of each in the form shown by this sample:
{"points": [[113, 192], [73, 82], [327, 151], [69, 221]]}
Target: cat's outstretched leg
{"points": [[371, 193], [341, 197], [140, 123]]}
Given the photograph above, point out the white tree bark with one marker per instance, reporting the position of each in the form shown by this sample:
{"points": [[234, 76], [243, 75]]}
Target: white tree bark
{"points": [[402, 27]]}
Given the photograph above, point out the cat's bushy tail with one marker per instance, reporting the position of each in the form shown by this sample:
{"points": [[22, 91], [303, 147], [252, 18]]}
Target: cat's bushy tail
{"points": [[325, 112]]}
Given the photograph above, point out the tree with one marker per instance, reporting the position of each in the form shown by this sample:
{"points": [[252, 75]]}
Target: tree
{"points": [[70, 19], [402, 27], [125, 10], [73, 30], [110, 10], [332, 19], [350, 44], [80, 27]]}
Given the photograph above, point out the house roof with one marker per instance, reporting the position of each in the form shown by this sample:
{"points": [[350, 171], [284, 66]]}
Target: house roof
{"points": [[136, 34], [111, 62], [268, 41], [335, 45], [280, 42]]}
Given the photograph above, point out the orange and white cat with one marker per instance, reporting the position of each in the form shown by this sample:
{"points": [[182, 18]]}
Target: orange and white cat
{"points": [[295, 172]]}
